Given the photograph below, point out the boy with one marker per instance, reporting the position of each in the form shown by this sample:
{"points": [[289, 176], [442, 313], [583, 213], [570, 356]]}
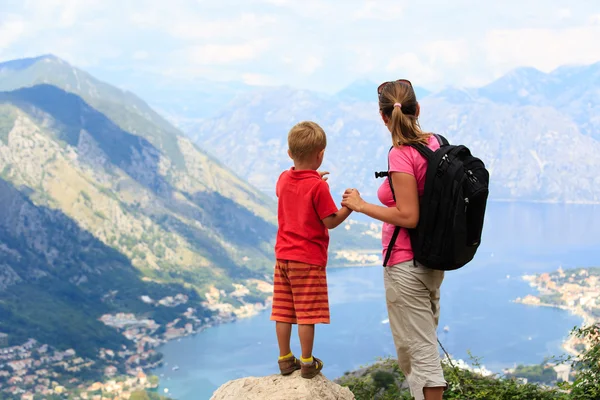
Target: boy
{"points": [[306, 211]]}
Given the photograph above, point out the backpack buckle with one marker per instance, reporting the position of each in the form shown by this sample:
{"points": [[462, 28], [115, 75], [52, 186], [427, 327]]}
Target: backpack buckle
{"points": [[381, 174]]}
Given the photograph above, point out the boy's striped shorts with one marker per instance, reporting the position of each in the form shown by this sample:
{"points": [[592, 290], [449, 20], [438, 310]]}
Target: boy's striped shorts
{"points": [[300, 293]]}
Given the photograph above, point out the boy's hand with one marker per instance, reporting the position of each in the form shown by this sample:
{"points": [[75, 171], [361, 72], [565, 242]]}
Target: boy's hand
{"points": [[323, 173], [352, 200]]}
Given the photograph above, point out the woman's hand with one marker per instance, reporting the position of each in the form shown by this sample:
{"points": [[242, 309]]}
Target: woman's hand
{"points": [[352, 200]]}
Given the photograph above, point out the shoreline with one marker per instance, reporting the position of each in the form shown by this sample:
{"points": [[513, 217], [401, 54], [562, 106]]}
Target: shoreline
{"points": [[566, 344], [557, 202], [175, 385], [547, 284]]}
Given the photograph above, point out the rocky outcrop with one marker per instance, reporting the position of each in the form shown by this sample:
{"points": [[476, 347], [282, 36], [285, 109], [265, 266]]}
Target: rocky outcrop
{"points": [[278, 387]]}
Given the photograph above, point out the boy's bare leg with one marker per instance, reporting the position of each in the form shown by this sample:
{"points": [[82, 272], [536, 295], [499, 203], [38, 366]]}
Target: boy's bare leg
{"points": [[433, 393], [307, 339], [284, 335]]}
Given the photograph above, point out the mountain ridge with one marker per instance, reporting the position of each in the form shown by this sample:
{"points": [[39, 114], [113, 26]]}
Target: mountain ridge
{"points": [[192, 225], [519, 131]]}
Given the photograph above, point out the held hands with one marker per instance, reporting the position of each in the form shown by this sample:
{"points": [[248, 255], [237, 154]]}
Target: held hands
{"points": [[323, 173], [352, 200]]}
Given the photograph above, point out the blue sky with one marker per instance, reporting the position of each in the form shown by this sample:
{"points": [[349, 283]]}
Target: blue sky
{"points": [[320, 45]]}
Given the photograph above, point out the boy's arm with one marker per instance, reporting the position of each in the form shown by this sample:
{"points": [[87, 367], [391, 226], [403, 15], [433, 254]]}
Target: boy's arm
{"points": [[326, 208], [334, 220]]}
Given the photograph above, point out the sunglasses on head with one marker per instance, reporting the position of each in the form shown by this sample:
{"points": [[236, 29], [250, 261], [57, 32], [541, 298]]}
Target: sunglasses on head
{"points": [[380, 88]]}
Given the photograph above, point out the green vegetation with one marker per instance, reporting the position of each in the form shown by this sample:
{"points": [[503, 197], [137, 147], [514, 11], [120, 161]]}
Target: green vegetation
{"points": [[535, 373], [126, 110], [385, 381], [182, 221], [55, 310], [587, 368], [86, 196], [577, 275], [146, 395], [5, 172], [100, 214], [153, 380], [8, 116], [554, 298], [68, 278]]}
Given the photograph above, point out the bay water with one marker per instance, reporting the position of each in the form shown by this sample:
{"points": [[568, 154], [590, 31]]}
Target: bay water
{"points": [[476, 306]]}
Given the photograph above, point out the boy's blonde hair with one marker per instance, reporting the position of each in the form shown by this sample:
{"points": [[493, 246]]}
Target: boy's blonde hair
{"points": [[305, 139]]}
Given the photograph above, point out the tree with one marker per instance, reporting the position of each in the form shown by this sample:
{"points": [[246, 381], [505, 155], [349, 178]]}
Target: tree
{"points": [[383, 379], [139, 395], [587, 367], [153, 380]]}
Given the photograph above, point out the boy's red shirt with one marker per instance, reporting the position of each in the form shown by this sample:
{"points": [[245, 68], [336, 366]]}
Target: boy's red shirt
{"points": [[303, 201]]}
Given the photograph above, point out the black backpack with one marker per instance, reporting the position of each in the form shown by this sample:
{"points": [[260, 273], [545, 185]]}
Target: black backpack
{"points": [[451, 210]]}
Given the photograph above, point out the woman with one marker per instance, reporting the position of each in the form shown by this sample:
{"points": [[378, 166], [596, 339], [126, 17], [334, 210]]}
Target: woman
{"points": [[412, 290]]}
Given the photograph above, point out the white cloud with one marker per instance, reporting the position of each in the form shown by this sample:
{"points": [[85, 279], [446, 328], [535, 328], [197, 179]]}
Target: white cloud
{"points": [[366, 55], [144, 19], [190, 27], [544, 49], [10, 31], [256, 79], [140, 55], [310, 65], [218, 54], [447, 52], [63, 14], [313, 44], [564, 13], [279, 2], [411, 65], [380, 10]]}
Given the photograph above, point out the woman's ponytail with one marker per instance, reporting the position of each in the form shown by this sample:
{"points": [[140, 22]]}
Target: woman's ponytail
{"points": [[398, 103]]}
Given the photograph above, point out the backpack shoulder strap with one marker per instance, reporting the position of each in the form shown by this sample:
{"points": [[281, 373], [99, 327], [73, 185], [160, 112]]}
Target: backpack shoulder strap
{"points": [[392, 242], [397, 228], [441, 140], [425, 151], [388, 253], [389, 176]]}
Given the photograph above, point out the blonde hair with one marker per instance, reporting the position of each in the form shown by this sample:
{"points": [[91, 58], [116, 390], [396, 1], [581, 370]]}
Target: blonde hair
{"points": [[305, 139], [402, 118]]}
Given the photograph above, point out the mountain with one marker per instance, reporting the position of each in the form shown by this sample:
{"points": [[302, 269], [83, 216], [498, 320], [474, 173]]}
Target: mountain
{"points": [[104, 196], [542, 149], [533, 153], [107, 203], [365, 90], [571, 90], [251, 136], [55, 277], [190, 102]]}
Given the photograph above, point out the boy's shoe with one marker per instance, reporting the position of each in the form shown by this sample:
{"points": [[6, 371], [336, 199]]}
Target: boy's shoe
{"points": [[311, 370], [289, 365]]}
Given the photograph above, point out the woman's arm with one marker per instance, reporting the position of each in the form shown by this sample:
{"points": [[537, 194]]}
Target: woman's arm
{"points": [[406, 212]]}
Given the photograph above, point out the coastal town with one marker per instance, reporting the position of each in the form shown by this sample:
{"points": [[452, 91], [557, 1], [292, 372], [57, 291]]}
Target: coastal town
{"points": [[574, 290], [32, 369]]}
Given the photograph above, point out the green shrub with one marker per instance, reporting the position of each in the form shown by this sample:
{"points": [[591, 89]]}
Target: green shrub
{"points": [[383, 381]]}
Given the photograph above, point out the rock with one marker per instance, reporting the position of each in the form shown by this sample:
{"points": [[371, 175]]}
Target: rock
{"points": [[278, 387]]}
